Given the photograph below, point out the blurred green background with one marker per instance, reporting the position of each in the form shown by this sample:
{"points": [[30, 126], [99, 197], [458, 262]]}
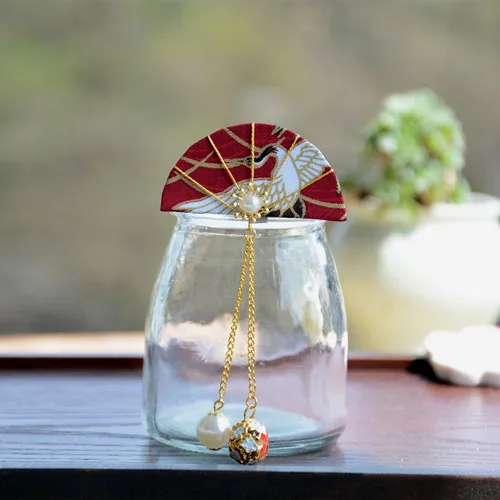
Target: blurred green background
{"points": [[98, 98]]}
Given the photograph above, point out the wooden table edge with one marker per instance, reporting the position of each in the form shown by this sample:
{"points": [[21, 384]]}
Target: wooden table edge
{"points": [[106, 361]]}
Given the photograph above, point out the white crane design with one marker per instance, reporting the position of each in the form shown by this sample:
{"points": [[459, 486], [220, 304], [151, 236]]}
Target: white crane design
{"points": [[294, 170]]}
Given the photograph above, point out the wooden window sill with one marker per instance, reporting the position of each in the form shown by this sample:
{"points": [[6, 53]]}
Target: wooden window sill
{"points": [[85, 343], [77, 434]]}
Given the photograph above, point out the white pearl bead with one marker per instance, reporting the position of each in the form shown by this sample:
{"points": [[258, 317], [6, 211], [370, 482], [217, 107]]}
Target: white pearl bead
{"points": [[213, 431], [251, 203]]}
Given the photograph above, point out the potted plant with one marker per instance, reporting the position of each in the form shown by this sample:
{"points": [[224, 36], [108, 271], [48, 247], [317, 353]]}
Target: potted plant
{"points": [[421, 251]]}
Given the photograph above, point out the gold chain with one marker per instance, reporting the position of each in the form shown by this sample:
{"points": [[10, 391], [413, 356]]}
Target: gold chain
{"points": [[219, 404], [247, 266], [251, 402]]}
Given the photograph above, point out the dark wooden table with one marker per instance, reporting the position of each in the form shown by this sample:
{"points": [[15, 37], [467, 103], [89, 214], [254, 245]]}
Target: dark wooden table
{"points": [[76, 433]]}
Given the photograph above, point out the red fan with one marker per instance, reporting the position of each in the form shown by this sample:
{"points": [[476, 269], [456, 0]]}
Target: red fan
{"points": [[254, 170]]}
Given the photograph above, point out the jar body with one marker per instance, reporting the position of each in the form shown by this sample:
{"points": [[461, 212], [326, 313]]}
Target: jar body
{"points": [[301, 335]]}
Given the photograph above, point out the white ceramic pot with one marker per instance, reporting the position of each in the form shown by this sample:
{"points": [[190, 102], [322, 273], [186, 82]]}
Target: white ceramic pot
{"points": [[400, 282]]}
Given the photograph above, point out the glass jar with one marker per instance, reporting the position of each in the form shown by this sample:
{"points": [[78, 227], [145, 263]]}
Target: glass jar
{"points": [[301, 336]]}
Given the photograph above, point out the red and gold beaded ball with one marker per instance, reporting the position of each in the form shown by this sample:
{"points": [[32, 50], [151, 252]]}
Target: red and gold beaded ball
{"points": [[249, 442]]}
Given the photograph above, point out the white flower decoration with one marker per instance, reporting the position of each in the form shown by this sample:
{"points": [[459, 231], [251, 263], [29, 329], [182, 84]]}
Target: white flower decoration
{"points": [[469, 357]]}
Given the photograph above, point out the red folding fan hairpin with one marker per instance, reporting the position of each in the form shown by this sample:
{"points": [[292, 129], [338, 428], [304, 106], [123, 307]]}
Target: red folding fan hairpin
{"points": [[250, 171], [237, 168]]}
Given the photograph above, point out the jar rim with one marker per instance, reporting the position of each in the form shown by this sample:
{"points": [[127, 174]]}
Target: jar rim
{"points": [[229, 222]]}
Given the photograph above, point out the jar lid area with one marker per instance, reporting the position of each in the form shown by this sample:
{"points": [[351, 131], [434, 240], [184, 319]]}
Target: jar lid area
{"points": [[228, 222]]}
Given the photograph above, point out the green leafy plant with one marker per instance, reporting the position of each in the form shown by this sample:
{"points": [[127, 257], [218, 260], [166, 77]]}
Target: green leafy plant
{"points": [[412, 155]]}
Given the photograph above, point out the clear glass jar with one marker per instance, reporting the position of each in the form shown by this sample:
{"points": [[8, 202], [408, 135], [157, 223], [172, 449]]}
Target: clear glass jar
{"points": [[301, 337]]}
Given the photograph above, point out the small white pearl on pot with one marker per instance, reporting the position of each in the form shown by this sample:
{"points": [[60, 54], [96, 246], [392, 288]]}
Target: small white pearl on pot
{"points": [[213, 431], [251, 203]]}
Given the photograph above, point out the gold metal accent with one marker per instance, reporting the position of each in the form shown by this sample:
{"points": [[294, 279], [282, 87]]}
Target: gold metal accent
{"points": [[320, 203], [246, 144], [251, 188], [200, 187], [278, 130], [248, 431], [237, 138], [251, 401], [253, 154], [224, 163], [316, 179], [283, 161], [247, 267], [219, 404]]}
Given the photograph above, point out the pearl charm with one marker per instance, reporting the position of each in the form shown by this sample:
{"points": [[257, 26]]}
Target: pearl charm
{"points": [[251, 203], [213, 431]]}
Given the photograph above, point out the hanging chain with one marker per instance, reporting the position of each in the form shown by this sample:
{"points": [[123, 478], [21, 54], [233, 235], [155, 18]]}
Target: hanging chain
{"points": [[219, 404], [247, 266], [251, 401]]}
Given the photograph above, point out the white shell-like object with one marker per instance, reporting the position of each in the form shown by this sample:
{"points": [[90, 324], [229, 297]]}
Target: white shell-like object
{"points": [[251, 203], [213, 431], [469, 357]]}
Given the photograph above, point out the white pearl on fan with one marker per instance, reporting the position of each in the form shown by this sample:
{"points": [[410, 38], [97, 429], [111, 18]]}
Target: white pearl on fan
{"points": [[213, 431], [251, 203]]}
